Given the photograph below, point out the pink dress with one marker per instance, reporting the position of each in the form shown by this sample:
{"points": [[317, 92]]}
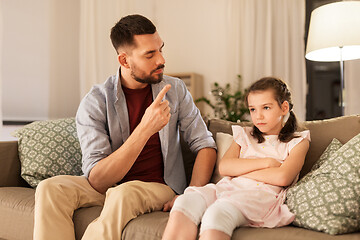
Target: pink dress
{"points": [[261, 204]]}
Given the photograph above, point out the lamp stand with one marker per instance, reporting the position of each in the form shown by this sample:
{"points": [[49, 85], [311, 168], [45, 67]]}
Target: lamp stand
{"points": [[342, 84]]}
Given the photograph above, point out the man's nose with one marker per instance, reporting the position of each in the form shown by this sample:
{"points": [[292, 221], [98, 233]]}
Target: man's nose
{"points": [[160, 59]]}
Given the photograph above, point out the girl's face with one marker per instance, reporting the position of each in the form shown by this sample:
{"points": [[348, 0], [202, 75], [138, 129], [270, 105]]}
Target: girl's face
{"points": [[265, 111]]}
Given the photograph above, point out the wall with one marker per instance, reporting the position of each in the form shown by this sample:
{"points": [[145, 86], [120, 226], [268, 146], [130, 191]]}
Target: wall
{"points": [[40, 59], [64, 89], [1, 38], [352, 86], [41, 50], [25, 59], [195, 37]]}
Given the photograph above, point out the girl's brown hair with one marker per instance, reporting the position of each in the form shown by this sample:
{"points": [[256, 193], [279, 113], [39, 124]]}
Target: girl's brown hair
{"points": [[281, 94]]}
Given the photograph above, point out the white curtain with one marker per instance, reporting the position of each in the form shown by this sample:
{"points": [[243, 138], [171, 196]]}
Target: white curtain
{"points": [[352, 87], [98, 58], [1, 37], [267, 39]]}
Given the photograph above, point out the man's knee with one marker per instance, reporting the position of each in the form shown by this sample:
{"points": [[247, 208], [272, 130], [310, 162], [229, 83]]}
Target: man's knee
{"points": [[55, 186], [49, 184], [144, 196], [125, 190]]}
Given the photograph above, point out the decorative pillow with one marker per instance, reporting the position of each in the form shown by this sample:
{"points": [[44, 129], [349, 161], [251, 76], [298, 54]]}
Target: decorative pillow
{"points": [[329, 151], [223, 142], [48, 148], [329, 201], [325, 156]]}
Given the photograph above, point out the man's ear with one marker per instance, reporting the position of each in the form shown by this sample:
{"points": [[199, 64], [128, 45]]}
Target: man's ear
{"points": [[123, 60]]}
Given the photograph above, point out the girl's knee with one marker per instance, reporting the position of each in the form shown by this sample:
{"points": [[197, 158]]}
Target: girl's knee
{"points": [[213, 214], [192, 205], [222, 216], [184, 201]]}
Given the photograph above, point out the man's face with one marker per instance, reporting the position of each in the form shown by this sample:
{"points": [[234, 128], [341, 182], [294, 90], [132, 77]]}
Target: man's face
{"points": [[146, 59]]}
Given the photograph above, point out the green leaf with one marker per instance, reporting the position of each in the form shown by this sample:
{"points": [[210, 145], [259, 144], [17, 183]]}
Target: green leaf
{"points": [[228, 106]]}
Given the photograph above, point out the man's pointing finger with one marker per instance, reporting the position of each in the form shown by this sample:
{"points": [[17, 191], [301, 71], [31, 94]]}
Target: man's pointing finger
{"points": [[161, 94]]}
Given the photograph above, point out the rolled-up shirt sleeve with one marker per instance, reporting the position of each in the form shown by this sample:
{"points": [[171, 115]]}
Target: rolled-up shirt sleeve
{"points": [[191, 123], [92, 130]]}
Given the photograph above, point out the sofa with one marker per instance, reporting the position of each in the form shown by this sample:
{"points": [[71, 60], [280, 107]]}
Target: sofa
{"points": [[17, 196]]}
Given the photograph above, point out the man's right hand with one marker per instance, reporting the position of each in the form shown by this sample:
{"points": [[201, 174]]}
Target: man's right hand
{"points": [[157, 115]]}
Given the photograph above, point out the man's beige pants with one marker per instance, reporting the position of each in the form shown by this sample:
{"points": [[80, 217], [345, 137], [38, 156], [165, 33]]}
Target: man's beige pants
{"points": [[56, 199]]}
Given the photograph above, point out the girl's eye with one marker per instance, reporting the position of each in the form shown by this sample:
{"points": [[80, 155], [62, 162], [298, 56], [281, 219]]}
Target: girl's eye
{"points": [[252, 109], [266, 108]]}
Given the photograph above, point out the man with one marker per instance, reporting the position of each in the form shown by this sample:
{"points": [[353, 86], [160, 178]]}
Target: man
{"points": [[128, 130]]}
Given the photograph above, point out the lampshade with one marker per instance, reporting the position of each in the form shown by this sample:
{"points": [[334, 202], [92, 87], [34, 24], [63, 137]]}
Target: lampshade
{"points": [[334, 27]]}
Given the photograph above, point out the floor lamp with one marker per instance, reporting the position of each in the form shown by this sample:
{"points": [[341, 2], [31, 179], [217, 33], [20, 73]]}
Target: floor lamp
{"points": [[334, 35]]}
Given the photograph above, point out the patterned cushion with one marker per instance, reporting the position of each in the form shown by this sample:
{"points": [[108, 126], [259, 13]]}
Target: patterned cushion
{"points": [[48, 148], [223, 142], [325, 156], [330, 150], [329, 200]]}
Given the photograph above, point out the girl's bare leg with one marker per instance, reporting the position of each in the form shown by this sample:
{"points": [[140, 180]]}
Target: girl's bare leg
{"points": [[214, 234], [180, 227]]}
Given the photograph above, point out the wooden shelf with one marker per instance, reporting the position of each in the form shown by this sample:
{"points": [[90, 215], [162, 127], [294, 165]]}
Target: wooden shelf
{"points": [[194, 83]]}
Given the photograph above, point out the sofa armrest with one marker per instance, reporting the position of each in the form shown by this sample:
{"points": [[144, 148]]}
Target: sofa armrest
{"points": [[10, 165]]}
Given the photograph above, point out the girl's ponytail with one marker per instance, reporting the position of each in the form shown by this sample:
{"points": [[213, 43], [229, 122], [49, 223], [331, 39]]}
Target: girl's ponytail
{"points": [[287, 132]]}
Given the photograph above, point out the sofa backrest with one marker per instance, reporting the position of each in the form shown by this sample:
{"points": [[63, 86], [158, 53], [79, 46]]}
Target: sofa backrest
{"points": [[321, 133], [10, 165]]}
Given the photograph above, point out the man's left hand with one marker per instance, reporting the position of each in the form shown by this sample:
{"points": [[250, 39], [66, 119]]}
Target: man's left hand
{"points": [[168, 205]]}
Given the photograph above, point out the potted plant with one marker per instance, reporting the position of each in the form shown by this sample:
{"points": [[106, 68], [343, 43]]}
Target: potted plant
{"points": [[227, 106]]}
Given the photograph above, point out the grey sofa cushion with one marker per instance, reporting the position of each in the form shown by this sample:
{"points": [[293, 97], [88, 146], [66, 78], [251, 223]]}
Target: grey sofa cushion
{"points": [[323, 131], [10, 165], [17, 213], [150, 226], [16, 222], [83, 217]]}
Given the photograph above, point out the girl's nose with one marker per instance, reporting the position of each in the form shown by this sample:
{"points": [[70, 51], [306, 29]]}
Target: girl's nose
{"points": [[259, 115]]}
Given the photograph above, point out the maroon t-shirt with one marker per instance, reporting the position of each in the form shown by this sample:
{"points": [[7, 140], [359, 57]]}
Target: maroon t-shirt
{"points": [[149, 166]]}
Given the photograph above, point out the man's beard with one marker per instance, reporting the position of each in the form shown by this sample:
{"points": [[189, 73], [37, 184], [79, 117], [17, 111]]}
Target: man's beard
{"points": [[149, 79]]}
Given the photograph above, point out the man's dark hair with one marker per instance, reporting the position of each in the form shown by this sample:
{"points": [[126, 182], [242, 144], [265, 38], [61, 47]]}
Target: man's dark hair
{"points": [[123, 32]]}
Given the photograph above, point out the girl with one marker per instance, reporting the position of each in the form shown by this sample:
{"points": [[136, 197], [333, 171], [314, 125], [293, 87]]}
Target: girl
{"points": [[258, 166]]}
